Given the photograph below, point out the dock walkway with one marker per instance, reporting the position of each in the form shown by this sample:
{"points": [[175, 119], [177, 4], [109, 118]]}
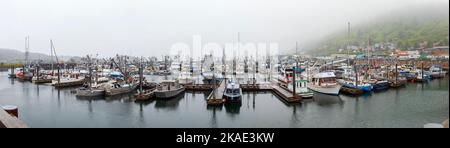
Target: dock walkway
{"points": [[216, 97], [8, 121], [286, 95]]}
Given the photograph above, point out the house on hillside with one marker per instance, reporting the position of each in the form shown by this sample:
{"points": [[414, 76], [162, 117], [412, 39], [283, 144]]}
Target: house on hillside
{"points": [[437, 52]]}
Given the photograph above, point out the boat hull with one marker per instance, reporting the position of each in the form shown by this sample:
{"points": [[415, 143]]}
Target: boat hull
{"points": [[36, 81], [334, 90], [381, 86], [71, 83], [232, 98], [90, 93], [351, 91], [169, 93], [118, 91]]}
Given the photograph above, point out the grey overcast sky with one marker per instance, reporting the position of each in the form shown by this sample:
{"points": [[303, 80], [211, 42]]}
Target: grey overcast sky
{"points": [[150, 27]]}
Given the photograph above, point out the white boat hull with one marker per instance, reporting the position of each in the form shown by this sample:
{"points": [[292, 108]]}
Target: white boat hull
{"points": [[331, 90]]}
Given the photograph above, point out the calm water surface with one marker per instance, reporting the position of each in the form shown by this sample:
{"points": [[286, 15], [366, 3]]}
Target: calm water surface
{"points": [[412, 106]]}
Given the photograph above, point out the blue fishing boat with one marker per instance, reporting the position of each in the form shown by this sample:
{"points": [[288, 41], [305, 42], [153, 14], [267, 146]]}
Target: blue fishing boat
{"points": [[351, 84]]}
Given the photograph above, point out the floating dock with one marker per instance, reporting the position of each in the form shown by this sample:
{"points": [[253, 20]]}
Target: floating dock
{"points": [[199, 87], [216, 97], [285, 94], [256, 87], [9, 121]]}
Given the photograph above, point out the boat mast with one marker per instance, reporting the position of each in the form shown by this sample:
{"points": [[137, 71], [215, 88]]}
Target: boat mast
{"points": [[140, 77], [296, 64], [27, 46], [224, 65], [348, 44]]}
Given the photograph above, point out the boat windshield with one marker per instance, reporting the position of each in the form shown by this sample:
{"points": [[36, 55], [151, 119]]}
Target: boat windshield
{"points": [[233, 91]]}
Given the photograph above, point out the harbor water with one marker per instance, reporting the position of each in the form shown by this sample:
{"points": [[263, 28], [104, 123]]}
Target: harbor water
{"points": [[411, 106]]}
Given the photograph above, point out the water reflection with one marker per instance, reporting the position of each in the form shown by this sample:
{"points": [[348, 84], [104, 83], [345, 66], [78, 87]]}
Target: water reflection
{"points": [[11, 80], [214, 109], [37, 90], [122, 98], [233, 107], [169, 104], [326, 100]]}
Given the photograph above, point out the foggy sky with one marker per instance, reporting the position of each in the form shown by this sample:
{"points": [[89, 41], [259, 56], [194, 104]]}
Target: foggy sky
{"points": [[151, 27]]}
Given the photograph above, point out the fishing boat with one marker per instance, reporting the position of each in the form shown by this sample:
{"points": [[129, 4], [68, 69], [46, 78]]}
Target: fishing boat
{"points": [[90, 91], [68, 80], [144, 94], [325, 83], [102, 80], [378, 85], [168, 89], [419, 76], [185, 78], [232, 92], [436, 72], [25, 75], [42, 79], [116, 88], [399, 82], [351, 91], [366, 87], [208, 77], [285, 76]]}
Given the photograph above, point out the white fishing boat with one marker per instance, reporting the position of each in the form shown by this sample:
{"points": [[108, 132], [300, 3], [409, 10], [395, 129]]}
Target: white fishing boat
{"points": [[325, 83], [168, 89], [185, 78]]}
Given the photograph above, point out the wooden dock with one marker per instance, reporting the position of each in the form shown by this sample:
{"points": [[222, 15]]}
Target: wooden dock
{"points": [[256, 87], [216, 97], [285, 94], [199, 87], [8, 121]]}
